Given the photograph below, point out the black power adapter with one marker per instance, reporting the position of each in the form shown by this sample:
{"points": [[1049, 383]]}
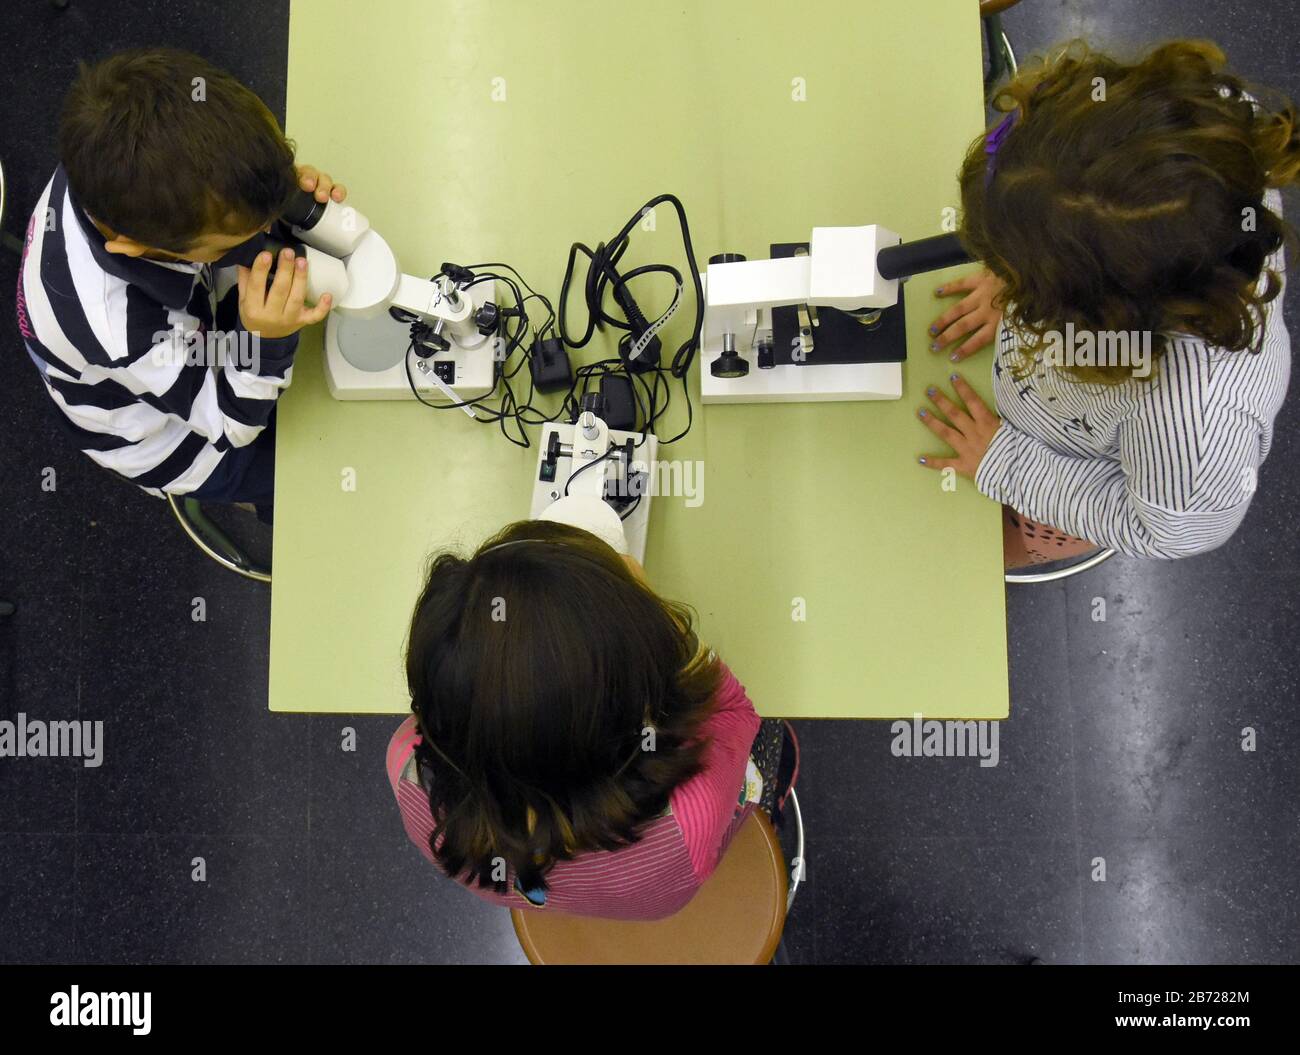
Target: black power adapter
{"points": [[549, 365], [620, 403]]}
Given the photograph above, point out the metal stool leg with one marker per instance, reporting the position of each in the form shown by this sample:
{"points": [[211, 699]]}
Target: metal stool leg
{"points": [[213, 541], [1090, 561], [1002, 58]]}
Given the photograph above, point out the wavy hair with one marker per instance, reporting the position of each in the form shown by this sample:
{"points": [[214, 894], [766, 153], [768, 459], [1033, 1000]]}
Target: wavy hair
{"points": [[1129, 197]]}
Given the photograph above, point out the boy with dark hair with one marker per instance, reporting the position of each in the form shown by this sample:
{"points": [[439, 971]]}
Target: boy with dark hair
{"points": [[145, 297]]}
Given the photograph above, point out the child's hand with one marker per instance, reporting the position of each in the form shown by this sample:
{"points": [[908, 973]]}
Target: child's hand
{"points": [[279, 310], [974, 314], [970, 433], [311, 178]]}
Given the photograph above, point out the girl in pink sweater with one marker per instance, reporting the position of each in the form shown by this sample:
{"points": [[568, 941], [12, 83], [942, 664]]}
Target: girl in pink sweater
{"points": [[572, 746]]}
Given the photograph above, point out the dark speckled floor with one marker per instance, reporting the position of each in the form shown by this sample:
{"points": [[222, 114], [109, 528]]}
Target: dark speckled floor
{"points": [[1124, 741]]}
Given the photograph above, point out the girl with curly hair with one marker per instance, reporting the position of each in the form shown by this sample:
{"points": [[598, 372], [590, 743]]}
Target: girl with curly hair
{"points": [[1128, 217]]}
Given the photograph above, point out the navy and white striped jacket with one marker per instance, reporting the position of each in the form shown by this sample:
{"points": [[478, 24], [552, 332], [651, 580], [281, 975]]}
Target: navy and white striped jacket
{"points": [[144, 409]]}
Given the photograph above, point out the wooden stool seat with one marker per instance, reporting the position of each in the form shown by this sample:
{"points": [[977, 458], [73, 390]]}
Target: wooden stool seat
{"points": [[735, 918]]}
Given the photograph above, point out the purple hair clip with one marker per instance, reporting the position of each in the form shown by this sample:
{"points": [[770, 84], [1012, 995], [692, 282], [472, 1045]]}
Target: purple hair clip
{"points": [[993, 141]]}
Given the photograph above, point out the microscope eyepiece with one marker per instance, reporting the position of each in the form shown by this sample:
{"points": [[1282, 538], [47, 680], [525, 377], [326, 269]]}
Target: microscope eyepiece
{"points": [[304, 211]]}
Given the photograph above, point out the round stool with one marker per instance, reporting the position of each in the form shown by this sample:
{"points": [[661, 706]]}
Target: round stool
{"points": [[735, 918], [213, 541]]}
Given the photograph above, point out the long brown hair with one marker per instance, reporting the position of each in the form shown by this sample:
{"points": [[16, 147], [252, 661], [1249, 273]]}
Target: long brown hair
{"points": [[1129, 197], [558, 697]]}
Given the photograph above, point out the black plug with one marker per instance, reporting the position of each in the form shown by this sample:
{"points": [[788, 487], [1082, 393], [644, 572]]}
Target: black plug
{"points": [[549, 365], [649, 355]]}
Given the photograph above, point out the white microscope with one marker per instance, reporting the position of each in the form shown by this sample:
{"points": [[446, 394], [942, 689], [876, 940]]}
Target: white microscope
{"points": [[596, 478], [369, 335], [765, 340]]}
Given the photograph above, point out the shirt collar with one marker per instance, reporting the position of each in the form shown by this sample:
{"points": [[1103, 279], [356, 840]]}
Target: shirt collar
{"points": [[170, 284]]}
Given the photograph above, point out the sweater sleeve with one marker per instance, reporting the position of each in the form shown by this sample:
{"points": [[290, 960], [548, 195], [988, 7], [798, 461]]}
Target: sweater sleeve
{"points": [[707, 805], [1181, 483]]}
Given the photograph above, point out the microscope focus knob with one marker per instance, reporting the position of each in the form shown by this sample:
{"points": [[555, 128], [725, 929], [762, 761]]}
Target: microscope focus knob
{"points": [[726, 258], [730, 365], [487, 318], [431, 340]]}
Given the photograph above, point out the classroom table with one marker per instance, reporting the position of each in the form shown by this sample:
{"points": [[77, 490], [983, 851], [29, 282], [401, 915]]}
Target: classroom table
{"points": [[835, 575]]}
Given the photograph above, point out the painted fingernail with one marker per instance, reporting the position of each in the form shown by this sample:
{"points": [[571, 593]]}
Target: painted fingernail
{"points": [[938, 290], [934, 329], [931, 390], [954, 358], [934, 346], [921, 459], [954, 377], [922, 413]]}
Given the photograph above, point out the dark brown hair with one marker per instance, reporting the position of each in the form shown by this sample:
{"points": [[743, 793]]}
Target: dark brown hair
{"points": [[1122, 195], [149, 157], [536, 668]]}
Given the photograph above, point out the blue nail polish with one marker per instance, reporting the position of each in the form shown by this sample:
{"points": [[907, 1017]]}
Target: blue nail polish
{"points": [[922, 413], [953, 357], [921, 459], [954, 377], [931, 390], [934, 329], [934, 346], [938, 290]]}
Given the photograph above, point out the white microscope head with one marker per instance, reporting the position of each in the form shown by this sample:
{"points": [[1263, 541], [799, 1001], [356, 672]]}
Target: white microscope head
{"points": [[842, 269], [346, 257], [591, 514]]}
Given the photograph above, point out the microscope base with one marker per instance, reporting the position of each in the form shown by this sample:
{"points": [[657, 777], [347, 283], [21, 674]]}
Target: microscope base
{"points": [[803, 384], [381, 343]]}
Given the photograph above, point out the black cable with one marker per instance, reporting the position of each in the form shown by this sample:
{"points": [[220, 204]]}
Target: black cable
{"points": [[603, 274], [603, 277], [650, 388], [630, 509], [582, 469]]}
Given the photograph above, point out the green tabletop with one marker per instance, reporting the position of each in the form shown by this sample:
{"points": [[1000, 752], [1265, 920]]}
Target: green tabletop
{"points": [[507, 130]]}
